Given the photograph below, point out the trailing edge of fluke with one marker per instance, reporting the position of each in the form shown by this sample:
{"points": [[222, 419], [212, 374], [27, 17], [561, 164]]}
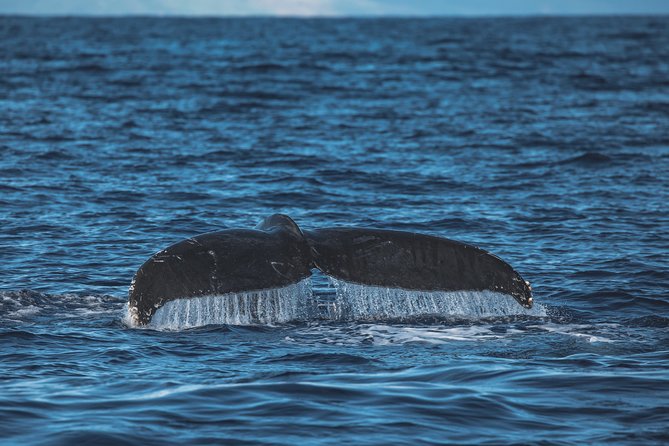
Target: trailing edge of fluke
{"points": [[278, 253]]}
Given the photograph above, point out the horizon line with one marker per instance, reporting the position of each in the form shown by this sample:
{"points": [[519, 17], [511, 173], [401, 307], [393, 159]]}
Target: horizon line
{"points": [[333, 16]]}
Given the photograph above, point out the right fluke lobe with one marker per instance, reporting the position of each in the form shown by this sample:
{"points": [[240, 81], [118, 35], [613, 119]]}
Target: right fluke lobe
{"points": [[397, 259]]}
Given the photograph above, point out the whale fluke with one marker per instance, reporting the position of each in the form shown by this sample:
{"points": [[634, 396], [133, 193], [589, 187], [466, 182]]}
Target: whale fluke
{"points": [[278, 253]]}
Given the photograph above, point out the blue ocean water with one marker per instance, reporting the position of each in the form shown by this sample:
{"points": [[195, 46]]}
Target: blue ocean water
{"points": [[543, 140]]}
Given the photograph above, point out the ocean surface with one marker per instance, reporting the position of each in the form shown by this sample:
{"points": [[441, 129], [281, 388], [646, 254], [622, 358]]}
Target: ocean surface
{"points": [[542, 140]]}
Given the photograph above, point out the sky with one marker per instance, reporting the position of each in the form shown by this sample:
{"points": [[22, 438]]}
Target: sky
{"points": [[329, 8]]}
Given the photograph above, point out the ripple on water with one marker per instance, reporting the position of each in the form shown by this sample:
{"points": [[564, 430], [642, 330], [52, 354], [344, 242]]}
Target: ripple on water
{"points": [[544, 140]]}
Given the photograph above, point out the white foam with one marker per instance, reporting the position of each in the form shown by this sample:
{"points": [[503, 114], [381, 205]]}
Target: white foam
{"points": [[383, 334], [22, 306], [263, 307], [583, 331], [389, 334], [364, 302], [26, 311]]}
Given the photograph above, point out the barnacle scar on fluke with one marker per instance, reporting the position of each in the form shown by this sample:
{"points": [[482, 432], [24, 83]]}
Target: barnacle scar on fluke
{"points": [[277, 253]]}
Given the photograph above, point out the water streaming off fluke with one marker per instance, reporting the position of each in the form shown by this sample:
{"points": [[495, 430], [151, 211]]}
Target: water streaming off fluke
{"points": [[363, 303], [263, 307], [351, 302]]}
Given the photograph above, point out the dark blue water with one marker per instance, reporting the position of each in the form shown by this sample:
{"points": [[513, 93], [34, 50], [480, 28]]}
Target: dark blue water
{"points": [[545, 141]]}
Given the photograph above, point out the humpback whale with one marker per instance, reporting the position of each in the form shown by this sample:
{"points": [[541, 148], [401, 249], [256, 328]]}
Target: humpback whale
{"points": [[278, 253]]}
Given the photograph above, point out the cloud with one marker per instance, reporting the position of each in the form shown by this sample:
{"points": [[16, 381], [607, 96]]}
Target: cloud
{"points": [[295, 7], [173, 7]]}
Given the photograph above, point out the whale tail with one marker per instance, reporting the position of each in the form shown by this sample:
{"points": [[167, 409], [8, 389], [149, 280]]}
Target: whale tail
{"points": [[278, 253]]}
